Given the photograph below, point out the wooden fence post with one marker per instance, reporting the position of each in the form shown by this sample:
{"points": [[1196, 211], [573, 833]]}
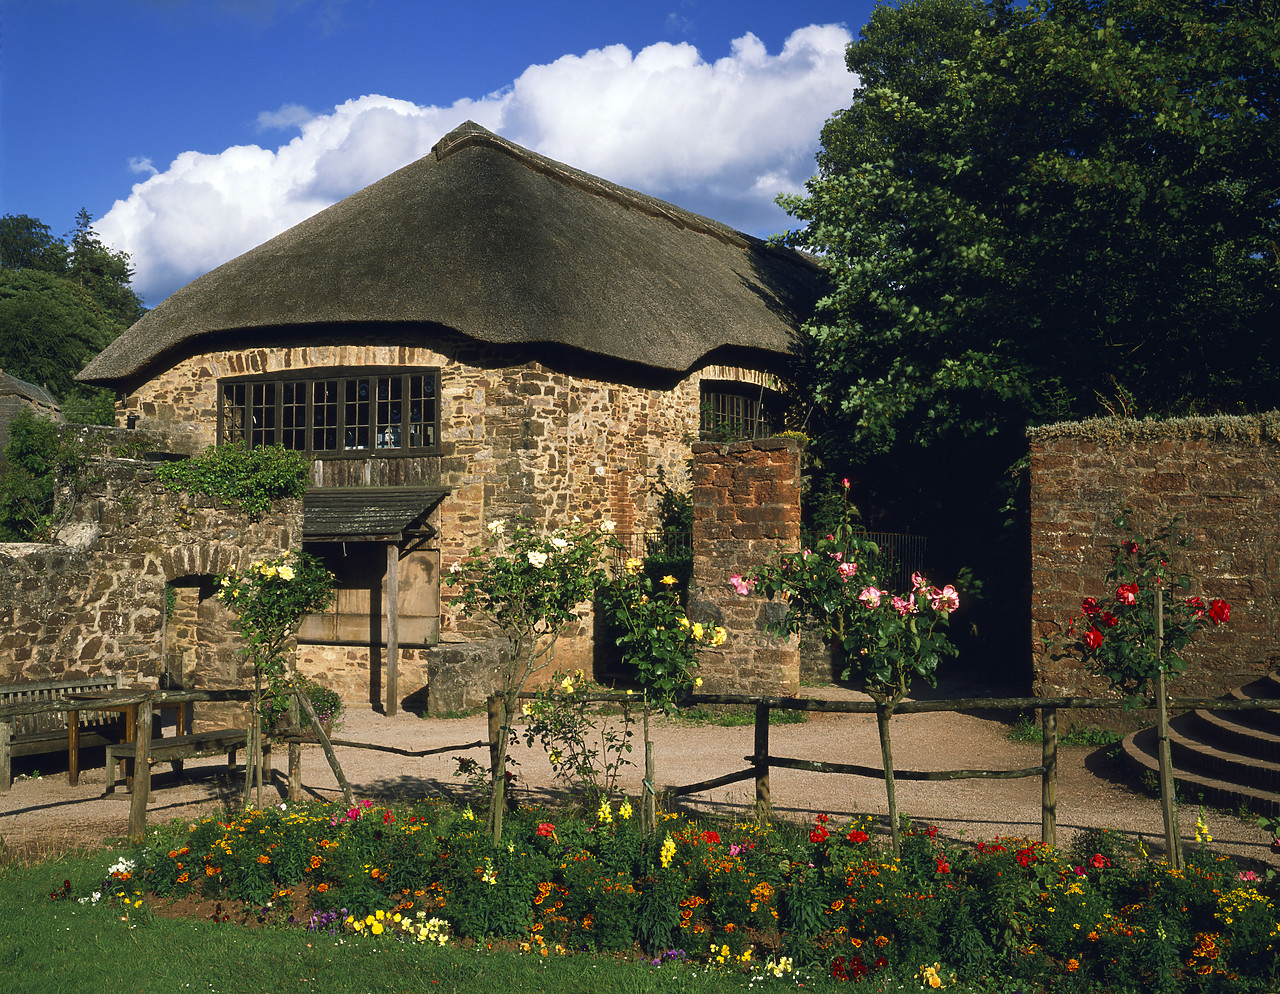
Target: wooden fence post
{"points": [[764, 806], [1049, 778], [295, 752], [141, 773], [6, 769]]}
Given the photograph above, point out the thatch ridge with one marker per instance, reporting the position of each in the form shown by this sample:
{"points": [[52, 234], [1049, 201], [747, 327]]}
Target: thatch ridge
{"points": [[506, 247]]}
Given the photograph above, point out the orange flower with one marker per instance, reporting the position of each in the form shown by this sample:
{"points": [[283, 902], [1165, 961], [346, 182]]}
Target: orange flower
{"points": [[1073, 965], [184, 878], [264, 858], [321, 888]]}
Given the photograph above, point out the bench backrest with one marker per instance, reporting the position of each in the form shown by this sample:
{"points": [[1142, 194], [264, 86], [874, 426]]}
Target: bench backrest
{"points": [[43, 690]]}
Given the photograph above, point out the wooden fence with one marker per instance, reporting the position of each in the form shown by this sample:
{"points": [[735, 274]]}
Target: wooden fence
{"points": [[760, 761]]}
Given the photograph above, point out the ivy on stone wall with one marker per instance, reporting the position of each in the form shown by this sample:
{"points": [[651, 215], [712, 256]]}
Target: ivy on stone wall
{"points": [[249, 479]]}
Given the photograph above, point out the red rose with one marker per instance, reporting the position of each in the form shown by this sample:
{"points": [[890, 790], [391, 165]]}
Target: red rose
{"points": [[1093, 638], [1196, 605], [546, 829], [1130, 547], [1219, 611], [1109, 619], [1089, 606], [1127, 594]]}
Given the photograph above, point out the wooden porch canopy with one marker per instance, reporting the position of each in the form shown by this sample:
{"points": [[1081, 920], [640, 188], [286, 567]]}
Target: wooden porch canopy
{"points": [[369, 514], [394, 515]]}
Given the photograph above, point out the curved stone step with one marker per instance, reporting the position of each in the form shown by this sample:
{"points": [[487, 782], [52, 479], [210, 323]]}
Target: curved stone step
{"points": [[1224, 730], [1139, 749]]}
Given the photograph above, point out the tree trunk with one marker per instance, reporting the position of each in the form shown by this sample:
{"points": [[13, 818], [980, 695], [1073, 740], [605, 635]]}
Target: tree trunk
{"points": [[498, 712], [884, 712]]}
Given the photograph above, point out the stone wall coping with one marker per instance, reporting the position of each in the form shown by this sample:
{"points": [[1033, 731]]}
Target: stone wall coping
{"points": [[1254, 428]]}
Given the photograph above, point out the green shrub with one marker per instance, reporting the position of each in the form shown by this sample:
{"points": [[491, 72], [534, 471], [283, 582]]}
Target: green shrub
{"points": [[249, 479]]}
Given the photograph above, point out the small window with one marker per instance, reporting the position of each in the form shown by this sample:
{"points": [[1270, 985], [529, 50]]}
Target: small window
{"points": [[371, 412], [730, 413]]}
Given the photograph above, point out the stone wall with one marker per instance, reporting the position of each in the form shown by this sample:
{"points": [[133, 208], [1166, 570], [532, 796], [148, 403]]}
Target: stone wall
{"points": [[746, 500], [524, 433], [96, 605], [1221, 474]]}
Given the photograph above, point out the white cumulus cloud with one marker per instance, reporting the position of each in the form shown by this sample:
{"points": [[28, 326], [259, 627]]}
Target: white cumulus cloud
{"points": [[722, 138]]}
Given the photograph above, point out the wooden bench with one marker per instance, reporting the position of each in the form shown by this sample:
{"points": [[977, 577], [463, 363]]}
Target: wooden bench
{"points": [[46, 731], [179, 747]]}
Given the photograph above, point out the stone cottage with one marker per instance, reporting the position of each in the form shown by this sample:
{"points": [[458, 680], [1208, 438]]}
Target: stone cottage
{"points": [[485, 333]]}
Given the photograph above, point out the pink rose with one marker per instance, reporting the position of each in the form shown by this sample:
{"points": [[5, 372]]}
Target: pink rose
{"points": [[871, 597], [846, 570], [918, 582], [905, 607], [845, 483], [946, 599], [743, 587]]}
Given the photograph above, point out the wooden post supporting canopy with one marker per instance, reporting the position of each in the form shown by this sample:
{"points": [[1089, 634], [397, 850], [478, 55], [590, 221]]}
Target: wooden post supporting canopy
{"points": [[393, 628]]}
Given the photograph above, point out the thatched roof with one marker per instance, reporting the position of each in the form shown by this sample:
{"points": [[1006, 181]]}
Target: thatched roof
{"points": [[488, 239]]}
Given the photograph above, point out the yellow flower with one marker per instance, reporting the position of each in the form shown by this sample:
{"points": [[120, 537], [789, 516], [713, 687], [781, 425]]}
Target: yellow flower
{"points": [[668, 580], [286, 572], [668, 851], [697, 681], [605, 814], [567, 685], [633, 565], [624, 811], [684, 622], [698, 630], [376, 928], [721, 636]]}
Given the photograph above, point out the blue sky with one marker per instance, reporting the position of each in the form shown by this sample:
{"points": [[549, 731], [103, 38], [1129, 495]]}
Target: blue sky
{"points": [[195, 129]]}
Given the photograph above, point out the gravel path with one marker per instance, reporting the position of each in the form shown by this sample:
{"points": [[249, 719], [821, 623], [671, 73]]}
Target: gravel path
{"points": [[1091, 791]]}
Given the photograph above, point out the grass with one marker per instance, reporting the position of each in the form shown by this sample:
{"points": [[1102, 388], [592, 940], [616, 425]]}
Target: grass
{"points": [[1026, 729], [736, 716], [51, 946]]}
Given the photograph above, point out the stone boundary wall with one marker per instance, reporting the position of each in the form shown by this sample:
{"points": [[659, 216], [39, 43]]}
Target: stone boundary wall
{"points": [[96, 604], [746, 507], [1221, 473]]}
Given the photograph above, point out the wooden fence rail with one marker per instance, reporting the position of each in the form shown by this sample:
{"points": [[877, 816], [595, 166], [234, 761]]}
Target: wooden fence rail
{"points": [[761, 760]]}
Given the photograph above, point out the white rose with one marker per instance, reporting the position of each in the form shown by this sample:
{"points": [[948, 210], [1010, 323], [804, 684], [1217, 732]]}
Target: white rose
{"points": [[536, 559]]}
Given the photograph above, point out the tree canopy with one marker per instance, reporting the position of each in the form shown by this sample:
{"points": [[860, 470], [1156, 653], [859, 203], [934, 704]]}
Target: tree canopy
{"points": [[1046, 212], [61, 303]]}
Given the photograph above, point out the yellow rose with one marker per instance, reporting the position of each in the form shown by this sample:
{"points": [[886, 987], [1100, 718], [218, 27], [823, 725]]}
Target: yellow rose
{"points": [[285, 572], [668, 580]]}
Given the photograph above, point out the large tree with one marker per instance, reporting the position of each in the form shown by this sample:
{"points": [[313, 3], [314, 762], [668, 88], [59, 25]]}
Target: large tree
{"points": [[60, 305], [1035, 213], [1047, 212]]}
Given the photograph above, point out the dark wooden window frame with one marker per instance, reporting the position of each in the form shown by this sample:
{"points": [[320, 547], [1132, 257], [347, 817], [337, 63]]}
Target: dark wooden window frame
{"points": [[343, 412], [740, 409]]}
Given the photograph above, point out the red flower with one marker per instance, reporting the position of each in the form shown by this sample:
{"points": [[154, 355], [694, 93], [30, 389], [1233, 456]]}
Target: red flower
{"points": [[1026, 857], [838, 971], [1130, 547], [1089, 606], [931, 831], [818, 834], [1275, 844], [1093, 638], [943, 865], [881, 963], [711, 835], [1109, 619], [857, 968], [546, 829], [1127, 594], [857, 835], [822, 819], [1219, 611], [1196, 605], [1099, 861]]}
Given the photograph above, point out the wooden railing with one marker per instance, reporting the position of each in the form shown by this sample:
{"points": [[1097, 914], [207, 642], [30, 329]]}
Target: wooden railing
{"points": [[762, 761]]}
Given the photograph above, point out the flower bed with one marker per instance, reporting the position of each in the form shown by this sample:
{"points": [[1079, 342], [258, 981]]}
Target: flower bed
{"points": [[737, 896]]}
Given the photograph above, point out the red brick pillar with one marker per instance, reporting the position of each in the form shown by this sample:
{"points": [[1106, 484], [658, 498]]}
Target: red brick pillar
{"points": [[746, 509]]}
